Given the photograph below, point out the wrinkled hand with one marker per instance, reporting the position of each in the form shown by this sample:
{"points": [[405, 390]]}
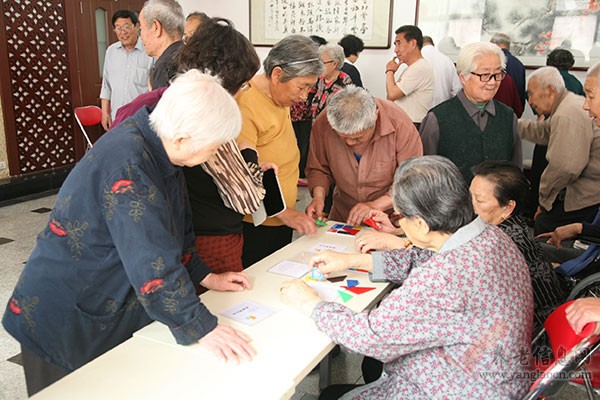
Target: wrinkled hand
{"points": [[315, 209], [582, 312], [228, 344], [106, 120], [384, 222], [331, 261], [562, 233], [393, 64], [298, 221], [358, 214], [370, 241], [227, 282], [298, 294], [268, 165]]}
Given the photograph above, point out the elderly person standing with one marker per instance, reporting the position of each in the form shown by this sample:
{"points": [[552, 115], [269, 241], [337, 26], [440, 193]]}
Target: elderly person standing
{"points": [[465, 297], [472, 127], [413, 92], [290, 70], [332, 80], [117, 252], [568, 186], [162, 25], [358, 143], [126, 67]]}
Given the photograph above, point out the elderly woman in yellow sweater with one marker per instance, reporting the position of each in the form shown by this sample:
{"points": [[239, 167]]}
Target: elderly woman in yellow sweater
{"points": [[290, 70]]}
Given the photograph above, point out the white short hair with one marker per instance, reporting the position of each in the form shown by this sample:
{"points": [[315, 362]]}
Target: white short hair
{"points": [[594, 71], [548, 76], [468, 56], [197, 105]]}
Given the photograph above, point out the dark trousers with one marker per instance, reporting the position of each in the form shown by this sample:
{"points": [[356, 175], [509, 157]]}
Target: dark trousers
{"points": [[538, 165], [334, 392], [38, 373], [302, 131], [261, 241], [548, 221]]}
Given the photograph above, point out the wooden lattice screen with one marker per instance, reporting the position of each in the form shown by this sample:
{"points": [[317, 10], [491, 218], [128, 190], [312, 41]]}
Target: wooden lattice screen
{"points": [[38, 65]]}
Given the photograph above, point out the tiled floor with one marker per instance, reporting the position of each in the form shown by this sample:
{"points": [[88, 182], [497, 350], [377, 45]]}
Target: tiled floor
{"points": [[20, 224]]}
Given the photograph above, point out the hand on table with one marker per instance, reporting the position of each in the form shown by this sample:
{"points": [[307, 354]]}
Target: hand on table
{"points": [[562, 233], [358, 214], [228, 344], [298, 294], [582, 312], [298, 221], [315, 209], [227, 281], [369, 241]]}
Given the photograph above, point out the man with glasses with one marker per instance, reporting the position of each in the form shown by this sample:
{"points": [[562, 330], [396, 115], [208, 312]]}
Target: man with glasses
{"points": [[126, 66], [472, 126], [569, 184]]}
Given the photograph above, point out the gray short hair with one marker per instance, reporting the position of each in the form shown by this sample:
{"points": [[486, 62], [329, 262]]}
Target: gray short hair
{"points": [[548, 76], [468, 56], [336, 53], [169, 13], [296, 55], [594, 71], [501, 38], [351, 110], [432, 187], [196, 104]]}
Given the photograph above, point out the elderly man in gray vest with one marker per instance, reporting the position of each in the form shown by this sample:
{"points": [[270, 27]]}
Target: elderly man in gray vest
{"points": [[569, 184], [473, 127]]}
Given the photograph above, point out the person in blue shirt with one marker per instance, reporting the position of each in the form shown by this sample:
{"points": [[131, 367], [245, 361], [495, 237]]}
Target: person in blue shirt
{"points": [[118, 250]]}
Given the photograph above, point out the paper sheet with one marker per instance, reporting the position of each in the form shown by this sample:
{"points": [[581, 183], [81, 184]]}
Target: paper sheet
{"points": [[321, 246], [290, 268], [248, 312]]}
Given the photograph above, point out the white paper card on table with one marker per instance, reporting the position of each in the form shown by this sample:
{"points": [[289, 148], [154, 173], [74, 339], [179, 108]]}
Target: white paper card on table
{"points": [[290, 268], [248, 312], [322, 246]]}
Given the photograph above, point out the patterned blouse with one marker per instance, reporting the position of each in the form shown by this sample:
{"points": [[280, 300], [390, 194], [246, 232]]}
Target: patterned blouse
{"points": [[318, 95], [548, 292], [459, 326]]}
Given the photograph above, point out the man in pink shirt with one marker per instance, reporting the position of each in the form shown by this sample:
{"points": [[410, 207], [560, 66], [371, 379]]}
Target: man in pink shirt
{"points": [[357, 143]]}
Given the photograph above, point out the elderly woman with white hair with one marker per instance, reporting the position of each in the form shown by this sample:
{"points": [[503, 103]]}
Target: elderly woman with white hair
{"points": [[465, 300], [290, 70], [331, 81], [118, 249], [472, 126]]}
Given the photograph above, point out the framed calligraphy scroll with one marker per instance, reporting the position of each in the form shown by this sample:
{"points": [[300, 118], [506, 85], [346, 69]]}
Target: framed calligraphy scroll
{"points": [[272, 20]]}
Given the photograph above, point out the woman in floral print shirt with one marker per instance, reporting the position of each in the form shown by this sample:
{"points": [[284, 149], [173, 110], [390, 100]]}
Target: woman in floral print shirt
{"points": [[460, 324]]}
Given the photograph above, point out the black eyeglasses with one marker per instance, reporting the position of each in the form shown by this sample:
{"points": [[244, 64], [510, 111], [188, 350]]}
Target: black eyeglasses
{"points": [[328, 62], [488, 77]]}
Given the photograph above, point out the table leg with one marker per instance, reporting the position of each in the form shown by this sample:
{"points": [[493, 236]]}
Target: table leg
{"points": [[325, 372]]}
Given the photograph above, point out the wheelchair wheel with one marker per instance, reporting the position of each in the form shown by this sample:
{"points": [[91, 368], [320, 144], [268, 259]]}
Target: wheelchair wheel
{"points": [[587, 287]]}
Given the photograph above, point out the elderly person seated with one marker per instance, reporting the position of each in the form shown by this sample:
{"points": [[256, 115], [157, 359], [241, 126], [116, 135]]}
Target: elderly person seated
{"points": [[114, 253], [290, 70], [497, 190], [569, 184], [357, 144], [472, 127], [465, 296]]}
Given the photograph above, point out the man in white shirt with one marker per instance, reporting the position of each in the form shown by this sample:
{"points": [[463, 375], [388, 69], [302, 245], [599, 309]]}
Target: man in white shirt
{"points": [[126, 67], [413, 91], [447, 84]]}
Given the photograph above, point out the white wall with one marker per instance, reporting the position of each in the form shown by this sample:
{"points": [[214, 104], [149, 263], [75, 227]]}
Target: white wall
{"points": [[371, 62]]}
